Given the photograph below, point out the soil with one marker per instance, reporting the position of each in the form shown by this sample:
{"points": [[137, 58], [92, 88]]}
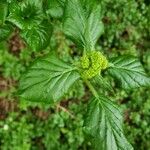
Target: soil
{"points": [[6, 106], [15, 43], [41, 114], [6, 84]]}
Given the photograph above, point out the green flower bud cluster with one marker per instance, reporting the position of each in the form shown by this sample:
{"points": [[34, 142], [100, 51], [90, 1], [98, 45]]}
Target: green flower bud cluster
{"points": [[92, 63]]}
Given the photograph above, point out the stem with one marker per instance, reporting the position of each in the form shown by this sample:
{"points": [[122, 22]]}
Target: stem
{"points": [[92, 89], [65, 110]]}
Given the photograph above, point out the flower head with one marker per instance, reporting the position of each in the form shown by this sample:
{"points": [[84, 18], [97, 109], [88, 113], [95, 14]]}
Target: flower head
{"points": [[92, 63]]}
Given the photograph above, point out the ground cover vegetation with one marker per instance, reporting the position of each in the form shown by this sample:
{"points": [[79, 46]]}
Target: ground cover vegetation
{"points": [[74, 74]]}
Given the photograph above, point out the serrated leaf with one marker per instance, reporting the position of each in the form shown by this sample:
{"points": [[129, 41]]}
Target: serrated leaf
{"points": [[104, 125], [129, 71], [47, 80], [5, 31], [82, 24], [99, 81], [26, 14], [38, 37], [3, 11]]}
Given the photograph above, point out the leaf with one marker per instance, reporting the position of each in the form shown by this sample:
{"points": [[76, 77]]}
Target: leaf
{"points": [[101, 82], [3, 11], [26, 14], [104, 124], [129, 71], [82, 24], [38, 37], [55, 8], [5, 31], [47, 80]]}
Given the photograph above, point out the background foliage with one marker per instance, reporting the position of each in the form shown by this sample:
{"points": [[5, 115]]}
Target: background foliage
{"points": [[25, 125]]}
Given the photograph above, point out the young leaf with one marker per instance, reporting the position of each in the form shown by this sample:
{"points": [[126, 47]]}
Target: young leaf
{"points": [[101, 82], [81, 24], [129, 71], [3, 11], [55, 8], [26, 14], [47, 80], [104, 125], [38, 37]]}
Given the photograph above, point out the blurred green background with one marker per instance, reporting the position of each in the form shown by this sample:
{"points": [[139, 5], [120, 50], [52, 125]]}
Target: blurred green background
{"points": [[35, 126]]}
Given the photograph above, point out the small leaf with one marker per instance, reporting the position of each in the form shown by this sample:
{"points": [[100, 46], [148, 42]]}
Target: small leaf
{"points": [[3, 11], [82, 24], [26, 14], [47, 80], [101, 82], [38, 37], [55, 8], [104, 124], [129, 71]]}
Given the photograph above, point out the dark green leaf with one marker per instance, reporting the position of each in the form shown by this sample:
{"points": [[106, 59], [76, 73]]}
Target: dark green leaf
{"points": [[104, 124], [26, 14], [82, 24], [129, 71], [47, 80], [5, 31], [3, 11], [101, 82], [38, 37]]}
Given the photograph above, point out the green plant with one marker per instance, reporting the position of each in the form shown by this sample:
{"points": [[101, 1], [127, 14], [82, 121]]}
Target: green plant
{"points": [[15, 133], [49, 78]]}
